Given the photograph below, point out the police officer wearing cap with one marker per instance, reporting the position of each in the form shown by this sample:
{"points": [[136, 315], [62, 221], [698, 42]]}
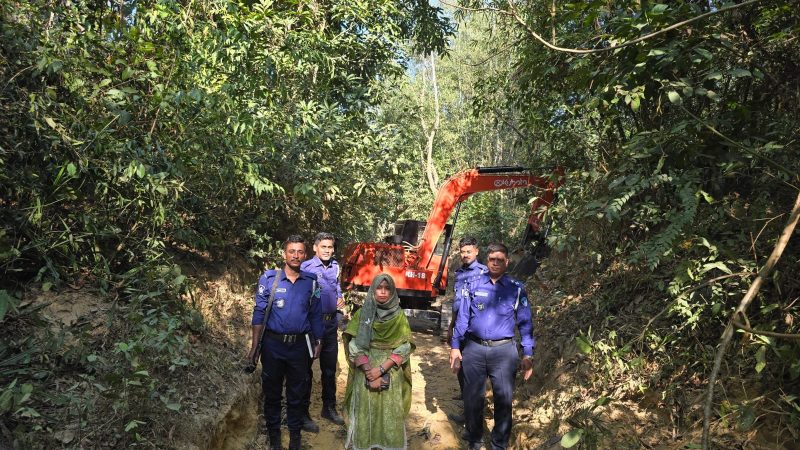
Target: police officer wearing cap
{"points": [[290, 340], [493, 304], [325, 267], [470, 269]]}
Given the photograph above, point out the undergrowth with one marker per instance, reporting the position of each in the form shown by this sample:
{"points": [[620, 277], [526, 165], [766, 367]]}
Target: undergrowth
{"points": [[648, 337], [109, 379]]}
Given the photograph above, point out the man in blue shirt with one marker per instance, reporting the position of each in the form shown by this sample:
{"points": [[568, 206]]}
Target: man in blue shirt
{"points": [[291, 339], [327, 271], [492, 305], [470, 268]]}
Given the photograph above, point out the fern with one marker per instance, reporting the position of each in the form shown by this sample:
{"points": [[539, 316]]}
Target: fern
{"points": [[661, 244], [635, 185]]}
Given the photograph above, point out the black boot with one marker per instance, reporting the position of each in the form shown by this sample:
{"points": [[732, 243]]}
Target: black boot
{"points": [[309, 425], [329, 412], [294, 440], [275, 440]]}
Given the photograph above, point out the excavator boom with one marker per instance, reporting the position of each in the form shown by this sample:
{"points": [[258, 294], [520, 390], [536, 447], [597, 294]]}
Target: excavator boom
{"points": [[462, 185]]}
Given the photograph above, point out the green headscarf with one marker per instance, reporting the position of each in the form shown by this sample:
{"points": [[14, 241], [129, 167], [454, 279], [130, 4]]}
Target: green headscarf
{"points": [[372, 310]]}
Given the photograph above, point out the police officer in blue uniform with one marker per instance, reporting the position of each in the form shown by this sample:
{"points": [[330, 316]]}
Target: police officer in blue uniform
{"points": [[470, 269], [327, 271], [291, 340], [492, 305]]}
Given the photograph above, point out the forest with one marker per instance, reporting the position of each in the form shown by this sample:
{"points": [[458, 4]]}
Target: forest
{"points": [[154, 154]]}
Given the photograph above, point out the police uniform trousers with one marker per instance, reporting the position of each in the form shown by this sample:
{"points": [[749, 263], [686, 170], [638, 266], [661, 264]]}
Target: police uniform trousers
{"points": [[498, 363], [282, 361], [328, 357]]}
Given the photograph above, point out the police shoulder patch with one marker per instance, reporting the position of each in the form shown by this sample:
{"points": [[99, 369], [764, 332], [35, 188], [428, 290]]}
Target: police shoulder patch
{"points": [[261, 289]]}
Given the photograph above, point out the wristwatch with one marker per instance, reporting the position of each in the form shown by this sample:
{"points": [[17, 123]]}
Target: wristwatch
{"points": [[383, 371]]}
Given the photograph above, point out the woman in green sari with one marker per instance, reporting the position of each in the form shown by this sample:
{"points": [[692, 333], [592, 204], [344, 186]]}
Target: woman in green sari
{"points": [[378, 346]]}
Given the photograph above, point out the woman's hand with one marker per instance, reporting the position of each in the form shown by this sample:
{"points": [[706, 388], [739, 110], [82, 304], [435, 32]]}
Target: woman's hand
{"points": [[375, 384], [373, 374]]}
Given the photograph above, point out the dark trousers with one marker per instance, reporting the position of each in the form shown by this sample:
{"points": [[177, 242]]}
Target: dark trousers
{"points": [[499, 364], [284, 362], [328, 357], [460, 376]]}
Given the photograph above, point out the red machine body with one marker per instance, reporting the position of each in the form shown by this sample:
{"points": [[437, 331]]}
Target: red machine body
{"points": [[410, 256]]}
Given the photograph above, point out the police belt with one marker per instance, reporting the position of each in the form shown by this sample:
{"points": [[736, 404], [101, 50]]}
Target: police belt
{"points": [[285, 338], [327, 317], [488, 342]]}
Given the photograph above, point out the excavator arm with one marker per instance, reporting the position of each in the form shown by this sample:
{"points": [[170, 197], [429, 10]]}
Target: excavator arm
{"points": [[417, 271], [462, 185]]}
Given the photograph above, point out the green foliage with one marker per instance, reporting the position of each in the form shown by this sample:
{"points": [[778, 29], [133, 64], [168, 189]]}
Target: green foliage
{"points": [[166, 128], [681, 160], [127, 363], [131, 131], [588, 427]]}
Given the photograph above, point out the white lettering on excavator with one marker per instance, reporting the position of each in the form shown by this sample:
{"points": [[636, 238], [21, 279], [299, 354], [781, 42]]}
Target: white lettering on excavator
{"points": [[412, 274], [511, 182]]}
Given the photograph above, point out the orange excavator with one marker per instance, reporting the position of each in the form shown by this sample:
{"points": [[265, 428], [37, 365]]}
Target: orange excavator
{"points": [[414, 257]]}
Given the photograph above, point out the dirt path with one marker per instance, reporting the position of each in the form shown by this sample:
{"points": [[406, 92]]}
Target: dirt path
{"points": [[427, 426]]}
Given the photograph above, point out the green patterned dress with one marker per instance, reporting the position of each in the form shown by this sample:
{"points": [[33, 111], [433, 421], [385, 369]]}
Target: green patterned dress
{"points": [[377, 418]]}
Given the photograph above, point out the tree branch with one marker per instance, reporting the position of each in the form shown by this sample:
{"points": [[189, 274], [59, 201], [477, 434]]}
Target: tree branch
{"points": [[780, 246], [580, 51], [744, 327], [748, 150]]}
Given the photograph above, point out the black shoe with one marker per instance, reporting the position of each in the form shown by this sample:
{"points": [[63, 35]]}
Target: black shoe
{"points": [[457, 418], [458, 397], [329, 412], [274, 440], [309, 425], [295, 440], [465, 435], [475, 446]]}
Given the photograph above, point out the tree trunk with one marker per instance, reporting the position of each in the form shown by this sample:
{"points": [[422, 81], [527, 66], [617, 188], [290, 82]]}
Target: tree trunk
{"points": [[430, 134]]}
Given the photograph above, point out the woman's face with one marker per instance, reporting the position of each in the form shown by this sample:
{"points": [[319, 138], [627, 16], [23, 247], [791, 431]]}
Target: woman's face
{"points": [[382, 292]]}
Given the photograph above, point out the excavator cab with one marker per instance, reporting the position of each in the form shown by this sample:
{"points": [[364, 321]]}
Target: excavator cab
{"points": [[408, 233]]}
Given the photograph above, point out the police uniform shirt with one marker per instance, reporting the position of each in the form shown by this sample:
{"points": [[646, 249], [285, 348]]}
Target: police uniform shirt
{"points": [[463, 275], [296, 308], [491, 310], [328, 279]]}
